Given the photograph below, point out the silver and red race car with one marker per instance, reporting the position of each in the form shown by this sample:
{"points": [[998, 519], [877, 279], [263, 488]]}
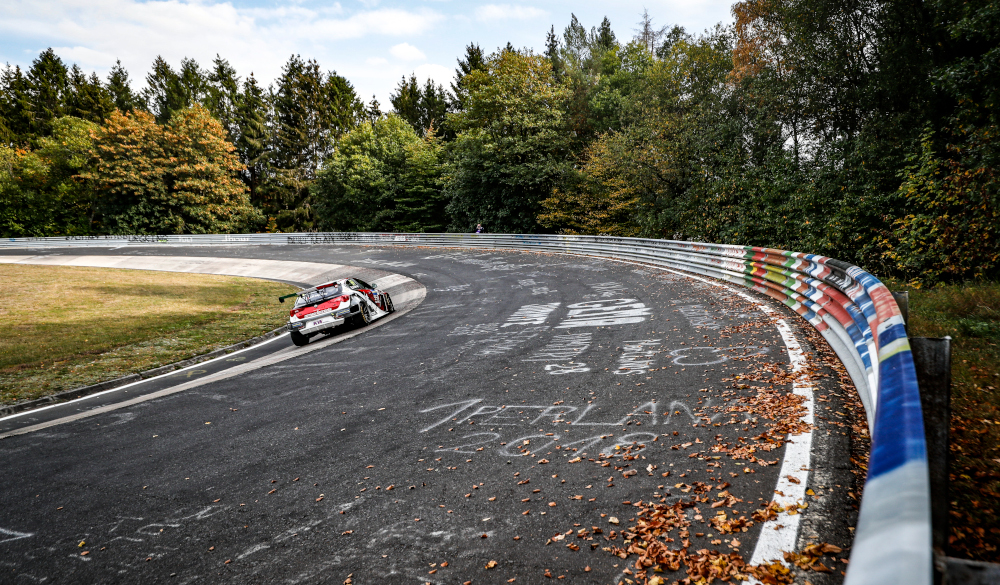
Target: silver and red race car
{"points": [[348, 301]]}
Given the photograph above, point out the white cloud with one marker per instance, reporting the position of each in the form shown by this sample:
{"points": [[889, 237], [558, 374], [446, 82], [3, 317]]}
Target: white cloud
{"points": [[94, 33], [508, 12], [439, 73], [376, 61], [407, 52]]}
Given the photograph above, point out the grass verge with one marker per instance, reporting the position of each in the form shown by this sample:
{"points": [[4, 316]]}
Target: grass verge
{"points": [[970, 314], [66, 327]]}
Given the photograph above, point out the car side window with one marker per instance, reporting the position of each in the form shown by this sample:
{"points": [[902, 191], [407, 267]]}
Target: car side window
{"points": [[364, 284], [353, 284]]}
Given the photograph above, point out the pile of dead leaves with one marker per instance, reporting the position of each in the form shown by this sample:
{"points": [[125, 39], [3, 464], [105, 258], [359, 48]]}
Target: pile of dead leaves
{"points": [[657, 526], [810, 557]]}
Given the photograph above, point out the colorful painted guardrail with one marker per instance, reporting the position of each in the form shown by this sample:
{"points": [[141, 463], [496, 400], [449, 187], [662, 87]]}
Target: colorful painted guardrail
{"points": [[849, 307]]}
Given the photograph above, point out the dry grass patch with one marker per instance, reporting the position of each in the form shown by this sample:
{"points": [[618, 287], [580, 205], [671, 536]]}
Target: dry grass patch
{"points": [[66, 327]]}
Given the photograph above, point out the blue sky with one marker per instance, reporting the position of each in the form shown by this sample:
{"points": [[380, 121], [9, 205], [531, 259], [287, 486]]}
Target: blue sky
{"points": [[370, 42]]}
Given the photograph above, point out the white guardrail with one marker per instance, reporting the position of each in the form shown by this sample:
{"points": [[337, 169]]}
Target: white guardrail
{"points": [[849, 307]]}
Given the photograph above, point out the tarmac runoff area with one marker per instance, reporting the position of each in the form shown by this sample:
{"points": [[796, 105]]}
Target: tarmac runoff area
{"points": [[511, 398]]}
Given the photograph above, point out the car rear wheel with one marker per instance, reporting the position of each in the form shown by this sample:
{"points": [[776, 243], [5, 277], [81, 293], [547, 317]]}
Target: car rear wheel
{"points": [[365, 317], [298, 339]]}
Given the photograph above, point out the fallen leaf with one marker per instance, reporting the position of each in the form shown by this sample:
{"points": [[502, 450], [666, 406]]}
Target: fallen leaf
{"points": [[541, 461], [613, 520], [491, 564]]}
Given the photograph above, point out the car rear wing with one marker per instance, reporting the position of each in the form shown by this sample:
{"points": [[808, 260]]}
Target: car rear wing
{"points": [[308, 290]]}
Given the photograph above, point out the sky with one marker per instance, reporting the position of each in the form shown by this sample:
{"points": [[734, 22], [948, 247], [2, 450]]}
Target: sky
{"points": [[372, 43]]}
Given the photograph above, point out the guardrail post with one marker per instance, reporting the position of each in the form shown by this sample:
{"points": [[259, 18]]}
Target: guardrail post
{"points": [[902, 298], [932, 359]]}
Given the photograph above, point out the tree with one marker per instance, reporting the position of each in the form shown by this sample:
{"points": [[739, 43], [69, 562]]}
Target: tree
{"points": [[47, 86], [40, 193], [172, 179], [424, 108], [473, 61], [120, 89], [168, 91], [222, 95], [381, 176], [253, 136], [312, 110], [87, 97], [552, 53], [512, 144], [405, 100], [15, 119]]}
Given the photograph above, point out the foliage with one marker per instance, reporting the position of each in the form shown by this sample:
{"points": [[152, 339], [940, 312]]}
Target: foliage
{"points": [[382, 177], [512, 144], [172, 179], [311, 111], [952, 228], [423, 107], [40, 194]]}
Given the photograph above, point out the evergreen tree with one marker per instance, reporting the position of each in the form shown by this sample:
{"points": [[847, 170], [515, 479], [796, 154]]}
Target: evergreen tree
{"points": [[15, 121], [405, 100], [423, 108], [552, 53], [222, 95], [311, 112], [253, 136], [168, 91], [603, 37], [48, 84], [374, 110], [473, 61], [122, 97], [87, 97]]}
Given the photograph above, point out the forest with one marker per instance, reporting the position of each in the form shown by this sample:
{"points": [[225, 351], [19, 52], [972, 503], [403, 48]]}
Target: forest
{"points": [[864, 130]]}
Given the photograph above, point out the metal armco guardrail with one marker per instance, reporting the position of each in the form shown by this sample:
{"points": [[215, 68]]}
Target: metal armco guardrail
{"points": [[849, 307]]}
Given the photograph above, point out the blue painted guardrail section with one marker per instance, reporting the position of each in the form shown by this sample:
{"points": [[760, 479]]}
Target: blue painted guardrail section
{"points": [[849, 307]]}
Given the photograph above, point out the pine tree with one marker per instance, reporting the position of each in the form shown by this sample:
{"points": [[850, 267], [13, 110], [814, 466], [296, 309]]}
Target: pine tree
{"points": [[604, 38], [222, 93], [168, 91], [405, 101], [162, 94], [312, 110], [48, 84], [122, 97], [434, 106], [87, 97], [251, 117], [15, 121], [473, 61], [552, 53]]}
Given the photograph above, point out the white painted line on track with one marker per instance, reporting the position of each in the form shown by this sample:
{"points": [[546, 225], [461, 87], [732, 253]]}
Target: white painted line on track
{"points": [[780, 534], [127, 386], [280, 356]]}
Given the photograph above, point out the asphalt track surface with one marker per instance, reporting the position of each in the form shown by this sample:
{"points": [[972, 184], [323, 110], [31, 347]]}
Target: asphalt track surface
{"points": [[444, 436]]}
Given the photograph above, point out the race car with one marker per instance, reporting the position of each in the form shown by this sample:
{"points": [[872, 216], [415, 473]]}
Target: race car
{"points": [[323, 308]]}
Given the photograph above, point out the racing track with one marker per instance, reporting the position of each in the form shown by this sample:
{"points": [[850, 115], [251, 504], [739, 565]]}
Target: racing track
{"points": [[422, 441]]}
